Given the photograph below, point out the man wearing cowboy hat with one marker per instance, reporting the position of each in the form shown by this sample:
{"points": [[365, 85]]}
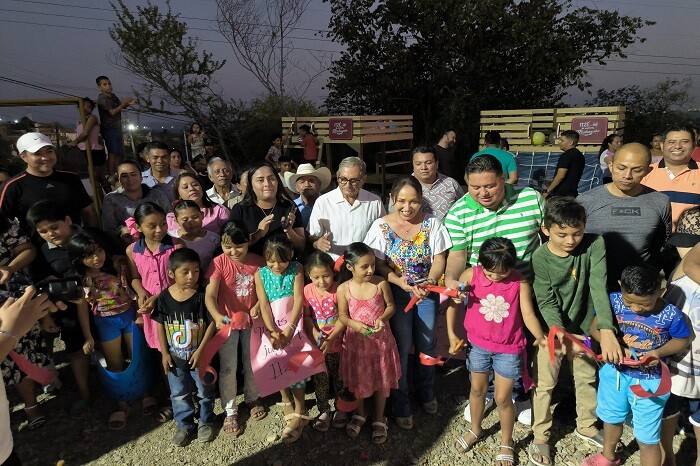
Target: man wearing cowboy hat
{"points": [[308, 183]]}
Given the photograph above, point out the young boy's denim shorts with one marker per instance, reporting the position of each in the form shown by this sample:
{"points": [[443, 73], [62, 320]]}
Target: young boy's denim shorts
{"points": [[505, 365], [616, 400], [112, 327]]}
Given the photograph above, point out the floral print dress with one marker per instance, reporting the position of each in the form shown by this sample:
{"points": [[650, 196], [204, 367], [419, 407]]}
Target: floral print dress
{"points": [[31, 346]]}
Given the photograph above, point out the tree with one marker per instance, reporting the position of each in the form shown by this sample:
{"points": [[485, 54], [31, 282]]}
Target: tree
{"points": [[259, 33], [650, 110], [445, 60], [176, 78]]}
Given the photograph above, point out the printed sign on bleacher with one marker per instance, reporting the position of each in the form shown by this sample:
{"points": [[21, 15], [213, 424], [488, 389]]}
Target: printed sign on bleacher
{"points": [[591, 130]]}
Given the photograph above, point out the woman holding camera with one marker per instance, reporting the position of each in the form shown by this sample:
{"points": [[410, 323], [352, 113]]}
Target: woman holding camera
{"points": [[16, 253]]}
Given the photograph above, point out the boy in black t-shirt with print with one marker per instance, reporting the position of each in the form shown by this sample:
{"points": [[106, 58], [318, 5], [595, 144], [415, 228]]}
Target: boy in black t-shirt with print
{"points": [[183, 330]]}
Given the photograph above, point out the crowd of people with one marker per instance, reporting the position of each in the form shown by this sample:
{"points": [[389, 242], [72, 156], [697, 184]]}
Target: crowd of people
{"points": [[345, 292]]}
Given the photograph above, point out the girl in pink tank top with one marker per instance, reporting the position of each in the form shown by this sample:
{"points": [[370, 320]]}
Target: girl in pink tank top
{"points": [[499, 305], [148, 263]]}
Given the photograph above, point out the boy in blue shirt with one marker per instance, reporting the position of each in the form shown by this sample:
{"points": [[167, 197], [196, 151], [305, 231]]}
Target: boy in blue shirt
{"points": [[649, 326]]}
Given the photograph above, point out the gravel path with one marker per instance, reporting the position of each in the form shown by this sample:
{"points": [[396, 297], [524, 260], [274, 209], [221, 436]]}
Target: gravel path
{"points": [[146, 442]]}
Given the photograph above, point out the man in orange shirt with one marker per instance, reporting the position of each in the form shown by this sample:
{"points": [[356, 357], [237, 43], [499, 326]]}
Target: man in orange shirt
{"points": [[677, 175]]}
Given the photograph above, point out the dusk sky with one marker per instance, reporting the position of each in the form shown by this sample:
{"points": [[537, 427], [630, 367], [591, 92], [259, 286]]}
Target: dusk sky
{"points": [[63, 45]]}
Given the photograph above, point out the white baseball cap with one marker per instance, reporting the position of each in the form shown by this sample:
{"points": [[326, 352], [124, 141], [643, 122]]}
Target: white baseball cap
{"points": [[32, 142]]}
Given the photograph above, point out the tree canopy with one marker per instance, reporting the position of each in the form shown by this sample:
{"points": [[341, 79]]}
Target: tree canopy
{"points": [[175, 78], [650, 110], [445, 60]]}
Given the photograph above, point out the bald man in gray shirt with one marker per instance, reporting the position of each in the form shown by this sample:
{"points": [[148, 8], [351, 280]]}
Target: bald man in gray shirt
{"points": [[633, 219]]}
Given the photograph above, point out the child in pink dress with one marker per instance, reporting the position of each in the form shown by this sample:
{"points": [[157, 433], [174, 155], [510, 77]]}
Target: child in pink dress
{"points": [[499, 302], [369, 363], [325, 329]]}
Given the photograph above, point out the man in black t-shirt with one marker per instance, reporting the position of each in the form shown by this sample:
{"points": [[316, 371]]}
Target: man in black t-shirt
{"points": [[41, 182], [445, 154], [569, 167]]}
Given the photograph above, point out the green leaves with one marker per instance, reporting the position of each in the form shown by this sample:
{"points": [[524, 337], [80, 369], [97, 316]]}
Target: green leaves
{"points": [[444, 60]]}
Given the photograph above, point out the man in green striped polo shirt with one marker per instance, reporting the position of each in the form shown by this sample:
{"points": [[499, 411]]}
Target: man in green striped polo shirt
{"points": [[491, 208]]}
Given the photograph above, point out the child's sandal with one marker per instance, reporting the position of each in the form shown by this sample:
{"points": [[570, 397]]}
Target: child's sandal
{"points": [[231, 425], [340, 419], [599, 460], [323, 422], [354, 426], [291, 435], [506, 457], [380, 432], [462, 446], [37, 419]]}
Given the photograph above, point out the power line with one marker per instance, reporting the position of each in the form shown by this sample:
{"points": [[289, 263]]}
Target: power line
{"points": [[102, 30], [646, 72], [654, 63], [188, 27], [660, 56], [182, 17], [646, 4]]}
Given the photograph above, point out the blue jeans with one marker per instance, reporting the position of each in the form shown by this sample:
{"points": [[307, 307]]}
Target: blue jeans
{"points": [[415, 327], [181, 383]]}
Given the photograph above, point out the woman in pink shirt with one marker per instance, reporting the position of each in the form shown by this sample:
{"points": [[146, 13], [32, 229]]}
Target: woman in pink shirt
{"points": [[187, 187]]}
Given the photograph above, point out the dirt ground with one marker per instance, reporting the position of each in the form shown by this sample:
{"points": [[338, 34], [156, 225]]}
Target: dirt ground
{"points": [[87, 440]]}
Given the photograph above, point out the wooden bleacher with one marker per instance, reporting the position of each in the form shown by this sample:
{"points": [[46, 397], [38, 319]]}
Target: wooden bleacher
{"points": [[387, 139], [519, 125]]}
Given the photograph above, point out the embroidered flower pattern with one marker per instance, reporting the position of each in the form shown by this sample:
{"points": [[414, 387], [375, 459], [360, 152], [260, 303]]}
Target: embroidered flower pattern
{"points": [[494, 308]]}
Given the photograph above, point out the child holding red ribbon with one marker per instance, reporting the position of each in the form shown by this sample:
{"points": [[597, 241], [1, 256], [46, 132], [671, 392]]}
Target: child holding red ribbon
{"points": [[322, 323], [499, 307], [369, 362], [649, 326], [233, 304], [280, 289], [570, 284]]}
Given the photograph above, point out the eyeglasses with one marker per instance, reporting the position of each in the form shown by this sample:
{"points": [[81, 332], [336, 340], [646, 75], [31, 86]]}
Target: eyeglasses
{"points": [[353, 181]]}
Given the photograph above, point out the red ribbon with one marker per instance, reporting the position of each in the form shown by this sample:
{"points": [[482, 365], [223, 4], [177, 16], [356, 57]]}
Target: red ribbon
{"points": [[297, 360], [33, 371], [664, 385], [430, 360], [435, 289], [131, 225], [208, 352]]}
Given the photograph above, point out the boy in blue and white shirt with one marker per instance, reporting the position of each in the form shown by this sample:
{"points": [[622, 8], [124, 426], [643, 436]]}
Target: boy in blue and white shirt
{"points": [[649, 326]]}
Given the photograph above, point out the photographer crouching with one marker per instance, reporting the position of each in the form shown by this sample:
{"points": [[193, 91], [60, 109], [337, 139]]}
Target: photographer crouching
{"points": [[17, 317]]}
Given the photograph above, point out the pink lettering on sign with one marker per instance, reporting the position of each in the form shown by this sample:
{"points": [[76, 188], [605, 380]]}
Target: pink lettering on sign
{"points": [[340, 129], [271, 367], [591, 130]]}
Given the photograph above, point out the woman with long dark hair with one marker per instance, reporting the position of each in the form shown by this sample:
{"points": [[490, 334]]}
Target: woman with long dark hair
{"points": [[266, 210], [411, 248], [607, 150]]}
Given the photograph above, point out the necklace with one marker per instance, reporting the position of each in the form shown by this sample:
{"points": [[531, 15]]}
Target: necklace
{"points": [[405, 229], [263, 210]]}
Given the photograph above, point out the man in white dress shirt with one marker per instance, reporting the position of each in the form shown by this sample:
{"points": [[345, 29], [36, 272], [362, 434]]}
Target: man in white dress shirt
{"points": [[344, 215]]}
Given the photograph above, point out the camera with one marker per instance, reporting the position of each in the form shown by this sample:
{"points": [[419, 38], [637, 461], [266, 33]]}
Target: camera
{"points": [[66, 289]]}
